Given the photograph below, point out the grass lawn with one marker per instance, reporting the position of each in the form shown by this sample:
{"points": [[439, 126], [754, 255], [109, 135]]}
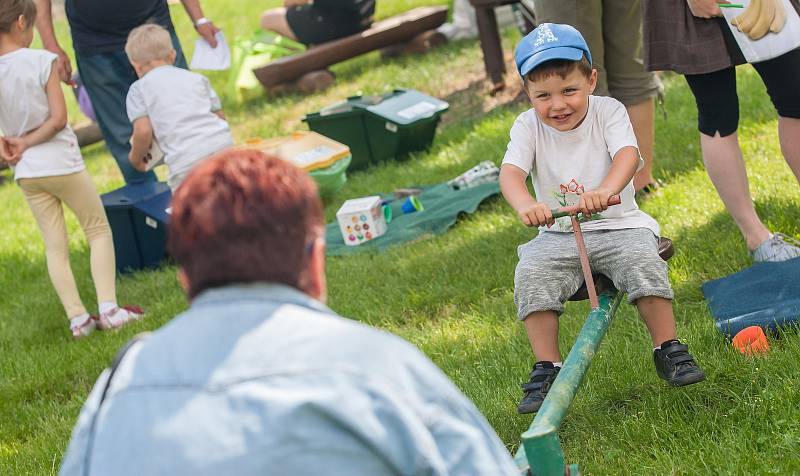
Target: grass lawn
{"points": [[451, 295]]}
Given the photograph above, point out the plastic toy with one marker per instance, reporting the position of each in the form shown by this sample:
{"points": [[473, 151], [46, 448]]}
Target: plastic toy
{"points": [[363, 219], [751, 341]]}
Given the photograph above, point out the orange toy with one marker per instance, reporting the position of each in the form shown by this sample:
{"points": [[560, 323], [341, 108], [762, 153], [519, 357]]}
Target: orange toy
{"points": [[751, 340]]}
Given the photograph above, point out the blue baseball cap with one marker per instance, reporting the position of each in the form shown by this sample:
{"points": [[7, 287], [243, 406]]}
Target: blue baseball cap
{"points": [[547, 42]]}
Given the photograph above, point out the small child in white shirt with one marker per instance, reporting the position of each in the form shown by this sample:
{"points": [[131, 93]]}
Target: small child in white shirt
{"points": [[580, 150], [43, 151], [176, 107]]}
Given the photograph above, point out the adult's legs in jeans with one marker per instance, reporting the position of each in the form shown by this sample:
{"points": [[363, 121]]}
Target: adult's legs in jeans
{"points": [[781, 76], [107, 77], [718, 117]]}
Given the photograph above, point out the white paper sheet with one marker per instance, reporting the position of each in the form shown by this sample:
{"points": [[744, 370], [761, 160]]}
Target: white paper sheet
{"points": [[206, 57]]}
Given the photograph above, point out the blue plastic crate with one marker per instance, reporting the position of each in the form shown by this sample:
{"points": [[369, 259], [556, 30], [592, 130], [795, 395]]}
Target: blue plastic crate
{"points": [[119, 205], [150, 220]]}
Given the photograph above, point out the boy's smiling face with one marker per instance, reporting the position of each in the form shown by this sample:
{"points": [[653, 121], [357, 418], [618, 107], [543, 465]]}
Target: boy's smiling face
{"points": [[562, 103]]}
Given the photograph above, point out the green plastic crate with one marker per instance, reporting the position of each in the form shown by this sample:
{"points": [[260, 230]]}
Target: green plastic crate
{"points": [[404, 122], [380, 128], [331, 179], [344, 122]]}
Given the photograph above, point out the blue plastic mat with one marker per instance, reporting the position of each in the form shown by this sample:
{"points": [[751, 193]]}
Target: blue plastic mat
{"points": [[765, 294]]}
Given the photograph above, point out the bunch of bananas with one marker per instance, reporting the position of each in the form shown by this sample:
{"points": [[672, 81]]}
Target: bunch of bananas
{"points": [[761, 17]]}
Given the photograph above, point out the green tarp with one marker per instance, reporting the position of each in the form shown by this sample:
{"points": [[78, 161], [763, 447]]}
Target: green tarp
{"points": [[442, 205]]}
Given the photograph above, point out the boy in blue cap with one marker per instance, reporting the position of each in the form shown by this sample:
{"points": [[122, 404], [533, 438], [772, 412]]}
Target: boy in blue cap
{"points": [[580, 150]]}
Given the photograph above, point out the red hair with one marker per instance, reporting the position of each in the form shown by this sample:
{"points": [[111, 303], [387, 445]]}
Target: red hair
{"points": [[242, 216]]}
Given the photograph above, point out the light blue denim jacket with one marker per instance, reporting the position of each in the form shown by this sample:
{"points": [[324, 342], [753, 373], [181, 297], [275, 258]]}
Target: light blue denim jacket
{"points": [[263, 380]]}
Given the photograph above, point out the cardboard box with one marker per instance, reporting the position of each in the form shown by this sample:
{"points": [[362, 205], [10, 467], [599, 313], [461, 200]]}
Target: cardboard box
{"points": [[363, 219]]}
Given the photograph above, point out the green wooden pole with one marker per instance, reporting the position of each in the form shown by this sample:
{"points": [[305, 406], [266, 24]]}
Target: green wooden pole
{"points": [[540, 453]]}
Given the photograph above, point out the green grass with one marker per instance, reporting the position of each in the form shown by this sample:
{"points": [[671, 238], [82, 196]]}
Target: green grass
{"points": [[451, 295]]}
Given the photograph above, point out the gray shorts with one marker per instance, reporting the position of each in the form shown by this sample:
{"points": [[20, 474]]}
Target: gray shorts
{"points": [[549, 270]]}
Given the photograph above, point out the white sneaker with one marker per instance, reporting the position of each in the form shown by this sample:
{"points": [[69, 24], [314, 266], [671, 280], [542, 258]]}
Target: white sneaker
{"points": [[83, 329], [118, 317], [778, 248]]}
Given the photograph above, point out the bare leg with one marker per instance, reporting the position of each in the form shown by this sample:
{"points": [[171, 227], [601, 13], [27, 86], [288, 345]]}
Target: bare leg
{"points": [[657, 315], [641, 116], [725, 166], [542, 330], [789, 133], [275, 20]]}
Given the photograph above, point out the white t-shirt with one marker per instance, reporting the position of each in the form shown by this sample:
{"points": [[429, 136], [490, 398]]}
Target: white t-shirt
{"points": [[180, 105], [23, 107], [561, 162]]}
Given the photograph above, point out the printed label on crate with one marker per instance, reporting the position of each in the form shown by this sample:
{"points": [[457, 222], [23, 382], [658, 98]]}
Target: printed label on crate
{"points": [[312, 156], [391, 127], [150, 222], [416, 110]]}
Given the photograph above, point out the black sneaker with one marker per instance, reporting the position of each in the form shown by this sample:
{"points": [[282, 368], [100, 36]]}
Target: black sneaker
{"points": [[541, 378], [676, 365]]}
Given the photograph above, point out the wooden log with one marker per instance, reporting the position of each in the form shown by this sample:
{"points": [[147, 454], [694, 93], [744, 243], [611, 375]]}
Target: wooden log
{"points": [[417, 45], [387, 32], [88, 133], [315, 81]]}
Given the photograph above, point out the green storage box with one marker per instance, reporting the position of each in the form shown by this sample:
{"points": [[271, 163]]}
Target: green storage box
{"points": [[380, 128]]}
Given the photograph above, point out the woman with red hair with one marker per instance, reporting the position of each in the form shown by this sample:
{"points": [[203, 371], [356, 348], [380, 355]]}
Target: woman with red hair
{"points": [[258, 376]]}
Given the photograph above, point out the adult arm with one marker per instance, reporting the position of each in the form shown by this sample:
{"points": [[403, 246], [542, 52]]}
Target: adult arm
{"points": [[206, 30], [44, 23]]}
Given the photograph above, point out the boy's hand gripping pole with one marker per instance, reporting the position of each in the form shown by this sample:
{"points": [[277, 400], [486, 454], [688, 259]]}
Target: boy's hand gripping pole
{"points": [[584, 257]]}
